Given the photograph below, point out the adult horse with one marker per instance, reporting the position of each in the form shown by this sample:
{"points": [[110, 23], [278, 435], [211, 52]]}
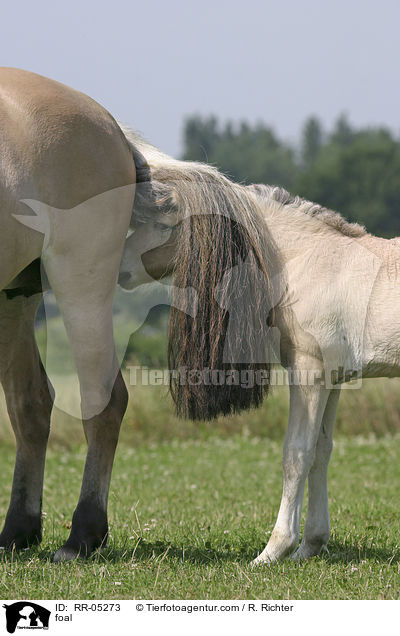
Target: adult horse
{"points": [[60, 147], [260, 262]]}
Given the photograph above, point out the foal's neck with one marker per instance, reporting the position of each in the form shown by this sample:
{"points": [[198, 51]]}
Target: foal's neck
{"points": [[295, 232]]}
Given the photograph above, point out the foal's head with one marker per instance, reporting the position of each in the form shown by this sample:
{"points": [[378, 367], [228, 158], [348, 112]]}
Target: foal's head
{"points": [[149, 253]]}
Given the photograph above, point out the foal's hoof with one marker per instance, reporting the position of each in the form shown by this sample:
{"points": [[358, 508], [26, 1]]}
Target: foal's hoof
{"points": [[261, 560], [307, 551]]}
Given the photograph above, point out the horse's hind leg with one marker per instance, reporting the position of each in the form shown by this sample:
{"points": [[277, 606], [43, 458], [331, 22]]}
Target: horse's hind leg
{"points": [[82, 269], [317, 527], [29, 405], [88, 321], [89, 523]]}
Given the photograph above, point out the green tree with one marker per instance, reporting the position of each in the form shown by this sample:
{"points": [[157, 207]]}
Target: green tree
{"points": [[342, 133], [360, 179], [355, 172], [311, 141], [200, 136], [245, 153]]}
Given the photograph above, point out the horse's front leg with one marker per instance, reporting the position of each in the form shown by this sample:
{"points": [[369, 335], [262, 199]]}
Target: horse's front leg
{"points": [[317, 527], [307, 405], [29, 404]]}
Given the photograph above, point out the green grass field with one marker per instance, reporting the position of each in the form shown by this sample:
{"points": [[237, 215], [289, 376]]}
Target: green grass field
{"points": [[192, 504], [187, 517]]}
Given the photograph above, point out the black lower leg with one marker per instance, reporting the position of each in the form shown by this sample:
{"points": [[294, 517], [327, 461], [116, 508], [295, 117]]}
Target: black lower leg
{"points": [[21, 528]]}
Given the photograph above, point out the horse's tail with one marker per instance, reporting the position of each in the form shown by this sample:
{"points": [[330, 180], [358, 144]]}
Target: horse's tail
{"points": [[217, 353]]}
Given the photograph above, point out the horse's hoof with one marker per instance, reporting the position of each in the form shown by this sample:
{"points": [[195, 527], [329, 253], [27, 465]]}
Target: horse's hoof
{"points": [[66, 554], [19, 541], [75, 549], [20, 531]]}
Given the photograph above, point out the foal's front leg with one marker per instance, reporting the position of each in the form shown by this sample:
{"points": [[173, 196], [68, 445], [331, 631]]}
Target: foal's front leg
{"points": [[307, 405]]}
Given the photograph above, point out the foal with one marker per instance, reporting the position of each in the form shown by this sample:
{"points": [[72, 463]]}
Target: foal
{"points": [[318, 283]]}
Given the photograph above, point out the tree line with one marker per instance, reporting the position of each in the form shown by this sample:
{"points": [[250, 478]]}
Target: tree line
{"points": [[354, 171]]}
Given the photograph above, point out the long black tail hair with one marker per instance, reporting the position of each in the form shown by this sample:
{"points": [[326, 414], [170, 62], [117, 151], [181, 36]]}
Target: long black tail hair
{"points": [[217, 354]]}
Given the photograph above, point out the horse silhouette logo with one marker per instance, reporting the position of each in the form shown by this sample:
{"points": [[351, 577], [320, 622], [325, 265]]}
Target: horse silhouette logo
{"points": [[26, 615]]}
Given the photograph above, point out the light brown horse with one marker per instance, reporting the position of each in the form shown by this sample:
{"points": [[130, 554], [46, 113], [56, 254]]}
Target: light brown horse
{"points": [[60, 147]]}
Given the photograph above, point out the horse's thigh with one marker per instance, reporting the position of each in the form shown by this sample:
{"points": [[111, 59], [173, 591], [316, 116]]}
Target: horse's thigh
{"points": [[90, 331], [82, 263]]}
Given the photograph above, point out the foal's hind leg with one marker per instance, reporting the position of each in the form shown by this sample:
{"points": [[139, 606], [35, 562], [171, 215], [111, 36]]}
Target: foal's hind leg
{"points": [[29, 405], [307, 406], [317, 527]]}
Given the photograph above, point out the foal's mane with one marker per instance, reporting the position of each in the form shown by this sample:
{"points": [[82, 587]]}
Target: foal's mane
{"points": [[330, 218]]}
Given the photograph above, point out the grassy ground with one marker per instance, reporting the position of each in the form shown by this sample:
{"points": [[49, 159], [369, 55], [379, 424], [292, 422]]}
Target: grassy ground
{"points": [[188, 516]]}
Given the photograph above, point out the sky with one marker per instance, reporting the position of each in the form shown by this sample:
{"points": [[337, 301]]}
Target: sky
{"points": [[151, 64]]}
